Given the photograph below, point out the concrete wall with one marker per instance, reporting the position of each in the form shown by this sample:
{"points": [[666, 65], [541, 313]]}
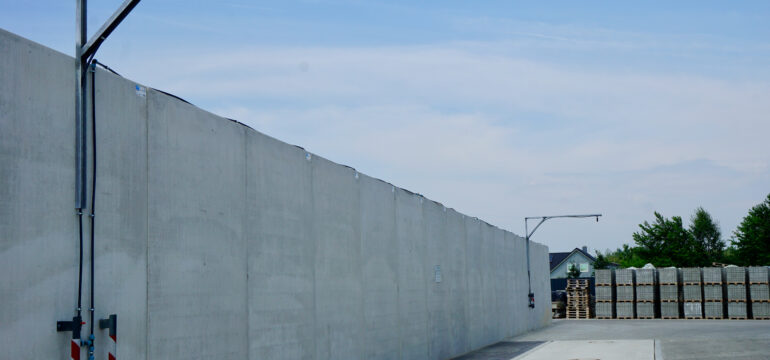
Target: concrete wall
{"points": [[216, 241]]}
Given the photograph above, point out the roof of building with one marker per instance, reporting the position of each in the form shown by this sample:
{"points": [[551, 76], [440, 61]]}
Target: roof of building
{"points": [[556, 258]]}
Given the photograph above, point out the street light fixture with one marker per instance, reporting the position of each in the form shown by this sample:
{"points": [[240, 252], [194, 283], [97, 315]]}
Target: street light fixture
{"points": [[530, 295]]}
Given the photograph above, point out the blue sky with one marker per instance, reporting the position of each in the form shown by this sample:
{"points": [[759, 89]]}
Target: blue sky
{"points": [[499, 109]]}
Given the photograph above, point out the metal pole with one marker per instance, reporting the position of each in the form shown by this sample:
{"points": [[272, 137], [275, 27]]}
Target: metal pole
{"points": [[530, 294], [80, 105]]}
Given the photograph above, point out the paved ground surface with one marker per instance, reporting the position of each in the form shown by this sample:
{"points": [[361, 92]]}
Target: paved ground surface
{"points": [[673, 339], [592, 349], [503, 350]]}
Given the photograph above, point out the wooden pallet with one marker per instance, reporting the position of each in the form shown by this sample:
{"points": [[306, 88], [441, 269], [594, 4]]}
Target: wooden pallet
{"points": [[760, 300], [736, 283], [604, 301], [762, 318], [670, 317], [736, 301], [714, 317], [668, 283], [646, 284], [694, 317], [668, 300], [758, 283], [604, 317], [712, 300], [645, 301], [738, 318], [712, 283], [624, 284], [645, 317], [691, 283], [625, 318], [624, 301]]}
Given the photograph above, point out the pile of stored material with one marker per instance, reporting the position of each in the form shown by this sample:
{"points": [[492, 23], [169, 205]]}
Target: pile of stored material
{"points": [[578, 299], [713, 293], [759, 292], [646, 294], [669, 293], [605, 294], [735, 277], [624, 279], [691, 293], [691, 288]]}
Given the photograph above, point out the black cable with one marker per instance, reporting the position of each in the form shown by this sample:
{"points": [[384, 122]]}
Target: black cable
{"points": [[93, 184], [80, 268]]}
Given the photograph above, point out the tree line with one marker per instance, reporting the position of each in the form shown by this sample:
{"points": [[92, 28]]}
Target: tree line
{"points": [[667, 242]]}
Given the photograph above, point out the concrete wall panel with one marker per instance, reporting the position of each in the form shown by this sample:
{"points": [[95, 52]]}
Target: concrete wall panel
{"points": [[281, 250], [38, 233], [121, 213], [379, 269], [197, 254], [336, 228], [436, 281], [412, 292]]}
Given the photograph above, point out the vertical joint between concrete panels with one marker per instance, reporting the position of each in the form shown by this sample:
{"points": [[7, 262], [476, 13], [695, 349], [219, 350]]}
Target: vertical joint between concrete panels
{"points": [[310, 232], [147, 226], [245, 235]]}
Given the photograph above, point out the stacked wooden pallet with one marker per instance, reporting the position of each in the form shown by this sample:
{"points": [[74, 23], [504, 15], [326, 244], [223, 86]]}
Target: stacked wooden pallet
{"points": [[605, 294], [646, 294], [736, 292], [578, 299], [713, 293], [669, 293], [692, 291], [759, 292], [624, 293]]}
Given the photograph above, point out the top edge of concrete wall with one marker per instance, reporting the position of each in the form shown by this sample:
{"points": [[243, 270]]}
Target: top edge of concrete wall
{"points": [[248, 128]]}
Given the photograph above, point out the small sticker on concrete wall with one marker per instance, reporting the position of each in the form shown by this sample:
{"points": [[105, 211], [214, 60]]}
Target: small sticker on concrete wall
{"points": [[141, 91], [437, 271]]}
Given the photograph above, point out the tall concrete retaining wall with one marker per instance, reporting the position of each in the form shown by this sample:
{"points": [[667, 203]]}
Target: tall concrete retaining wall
{"points": [[216, 241]]}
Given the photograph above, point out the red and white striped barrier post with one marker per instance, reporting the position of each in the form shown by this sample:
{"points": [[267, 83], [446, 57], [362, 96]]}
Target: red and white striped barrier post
{"points": [[75, 349], [112, 324]]}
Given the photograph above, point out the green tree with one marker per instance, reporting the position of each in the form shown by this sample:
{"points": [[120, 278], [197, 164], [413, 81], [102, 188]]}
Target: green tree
{"points": [[707, 236], [752, 237], [574, 271], [625, 256], [666, 242], [601, 261]]}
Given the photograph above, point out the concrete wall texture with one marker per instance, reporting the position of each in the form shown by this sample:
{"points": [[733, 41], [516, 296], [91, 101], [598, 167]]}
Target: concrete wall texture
{"points": [[216, 241]]}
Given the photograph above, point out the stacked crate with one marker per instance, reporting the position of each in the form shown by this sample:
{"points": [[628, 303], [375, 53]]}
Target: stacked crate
{"points": [[624, 294], [605, 294], [735, 277], [713, 293], [759, 293], [578, 299], [691, 289], [646, 294], [668, 278]]}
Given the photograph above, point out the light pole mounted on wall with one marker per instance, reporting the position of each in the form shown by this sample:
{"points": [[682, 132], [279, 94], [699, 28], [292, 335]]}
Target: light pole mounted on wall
{"points": [[530, 294], [84, 53]]}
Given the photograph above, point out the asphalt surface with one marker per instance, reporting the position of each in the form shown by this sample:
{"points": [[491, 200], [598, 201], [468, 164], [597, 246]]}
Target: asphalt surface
{"points": [[672, 339]]}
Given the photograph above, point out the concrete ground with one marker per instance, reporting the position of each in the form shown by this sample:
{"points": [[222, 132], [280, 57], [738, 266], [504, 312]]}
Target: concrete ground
{"points": [[666, 339]]}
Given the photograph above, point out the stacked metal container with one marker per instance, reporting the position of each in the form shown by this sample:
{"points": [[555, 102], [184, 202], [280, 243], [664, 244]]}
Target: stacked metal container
{"points": [[668, 278], [759, 292], [735, 277], [713, 293], [646, 294], [624, 281], [605, 294], [691, 288]]}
